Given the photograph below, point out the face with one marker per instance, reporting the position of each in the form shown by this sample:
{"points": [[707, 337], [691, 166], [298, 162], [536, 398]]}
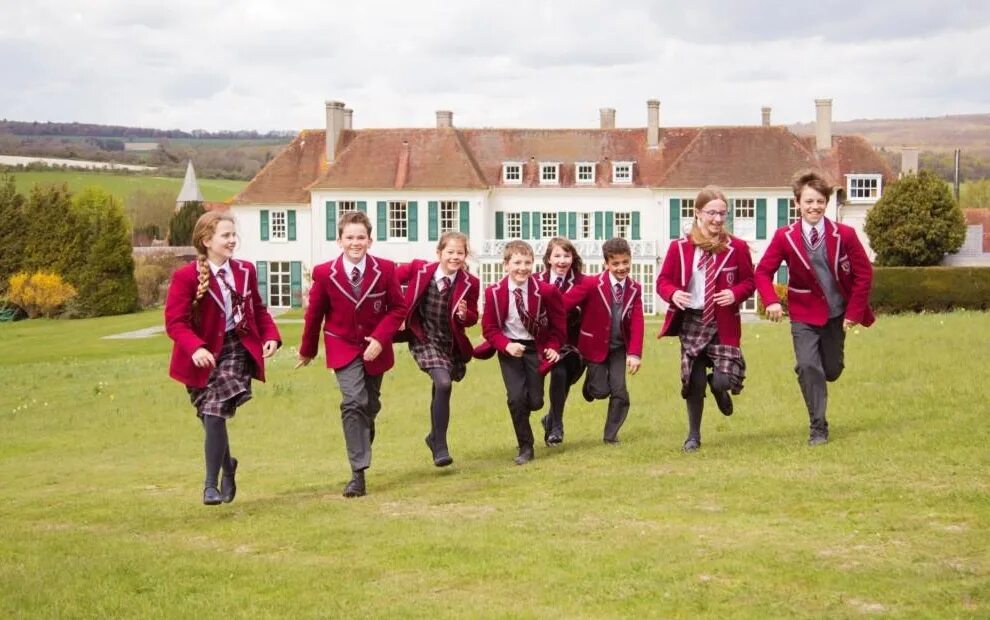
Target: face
{"points": [[812, 205], [711, 217], [519, 267], [452, 257], [560, 260], [220, 247], [354, 240], [619, 265]]}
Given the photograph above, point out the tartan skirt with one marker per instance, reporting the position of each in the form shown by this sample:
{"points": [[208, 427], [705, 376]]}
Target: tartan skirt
{"points": [[438, 350], [229, 386], [697, 338]]}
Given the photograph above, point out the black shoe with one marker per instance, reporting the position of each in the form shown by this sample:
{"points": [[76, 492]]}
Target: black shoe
{"points": [[228, 486], [613, 441], [545, 423], [722, 398], [355, 488], [211, 496], [691, 444], [525, 455], [586, 393], [441, 458], [818, 439], [555, 439]]}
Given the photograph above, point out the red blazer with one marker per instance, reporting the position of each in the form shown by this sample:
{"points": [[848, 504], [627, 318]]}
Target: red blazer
{"points": [[735, 272], [549, 309], [806, 301], [346, 321], [418, 275], [573, 316], [211, 325], [594, 298]]}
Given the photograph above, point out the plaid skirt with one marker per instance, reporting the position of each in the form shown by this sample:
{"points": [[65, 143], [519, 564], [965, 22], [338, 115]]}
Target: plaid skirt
{"points": [[437, 351], [229, 386], [697, 338]]}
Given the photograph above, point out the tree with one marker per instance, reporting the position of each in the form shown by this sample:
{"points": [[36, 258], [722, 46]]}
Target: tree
{"points": [[53, 239], [915, 223], [12, 230], [105, 280], [180, 228]]}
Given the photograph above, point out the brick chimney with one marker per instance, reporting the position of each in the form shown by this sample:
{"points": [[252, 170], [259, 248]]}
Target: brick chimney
{"points": [[909, 160], [823, 124], [607, 116], [445, 119], [348, 118], [653, 123], [766, 115], [335, 123]]}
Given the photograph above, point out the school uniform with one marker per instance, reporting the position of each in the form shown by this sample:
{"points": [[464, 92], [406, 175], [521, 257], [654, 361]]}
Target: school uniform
{"points": [[611, 329], [570, 367], [829, 279], [351, 303], [502, 324]]}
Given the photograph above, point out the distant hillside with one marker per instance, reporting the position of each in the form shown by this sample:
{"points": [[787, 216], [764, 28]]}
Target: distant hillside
{"points": [[89, 130], [969, 132]]}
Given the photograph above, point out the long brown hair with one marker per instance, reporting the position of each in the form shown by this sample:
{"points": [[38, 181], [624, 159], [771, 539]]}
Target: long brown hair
{"points": [[205, 228], [577, 265], [454, 235], [715, 245]]}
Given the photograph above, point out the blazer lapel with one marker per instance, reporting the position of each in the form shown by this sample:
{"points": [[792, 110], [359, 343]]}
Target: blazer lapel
{"points": [[215, 292], [501, 294], [605, 292], [341, 280], [534, 299], [723, 260], [461, 286], [372, 273], [795, 237], [832, 247], [240, 278], [686, 250]]}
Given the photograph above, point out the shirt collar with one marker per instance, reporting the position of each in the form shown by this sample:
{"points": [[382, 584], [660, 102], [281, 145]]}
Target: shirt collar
{"points": [[613, 281], [215, 268], [820, 227], [361, 264], [524, 286], [439, 275]]}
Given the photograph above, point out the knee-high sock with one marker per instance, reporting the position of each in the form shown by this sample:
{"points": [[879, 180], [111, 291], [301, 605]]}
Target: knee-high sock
{"points": [[216, 448], [440, 407]]}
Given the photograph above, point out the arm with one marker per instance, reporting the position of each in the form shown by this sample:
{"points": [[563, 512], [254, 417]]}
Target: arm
{"points": [[263, 319], [767, 268], [316, 311], [745, 286], [390, 323], [668, 280], [574, 298], [862, 280], [556, 318], [490, 328], [636, 326], [470, 303], [178, 313]]}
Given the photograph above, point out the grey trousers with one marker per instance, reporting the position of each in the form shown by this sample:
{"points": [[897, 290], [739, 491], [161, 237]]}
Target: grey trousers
{"points": [[523, 390], [819, 353], [360, 402], [609, 380]]}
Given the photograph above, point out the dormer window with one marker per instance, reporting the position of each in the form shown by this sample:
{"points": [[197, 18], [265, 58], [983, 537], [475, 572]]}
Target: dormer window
{"points": [[584, 173], [863, 187], [622, 171], [549, 173], [512, 173]]}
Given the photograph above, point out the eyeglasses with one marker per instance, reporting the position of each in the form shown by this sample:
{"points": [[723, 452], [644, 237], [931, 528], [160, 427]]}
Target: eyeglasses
{"points": [[714, 214]]}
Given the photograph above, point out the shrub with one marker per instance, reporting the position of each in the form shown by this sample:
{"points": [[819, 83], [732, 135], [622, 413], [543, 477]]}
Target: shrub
{"points": [[931, 289], [152, 273], [42, 293], [180, 227], [781, 290]]}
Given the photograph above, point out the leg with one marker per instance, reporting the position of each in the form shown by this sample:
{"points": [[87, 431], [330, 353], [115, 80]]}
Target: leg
{"points": [[811, 377], [355, 412], [517, 398], [618, 401], [439, 416], [833, 345], [695, 402], [561, 378], [534, 381], [215, 445]]}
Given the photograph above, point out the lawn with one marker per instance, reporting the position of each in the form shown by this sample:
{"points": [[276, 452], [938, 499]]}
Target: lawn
{"points": [[123, 185], [100, 484]]}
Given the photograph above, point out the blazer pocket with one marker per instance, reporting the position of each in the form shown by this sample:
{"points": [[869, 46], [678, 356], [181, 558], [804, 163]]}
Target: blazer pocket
{"points": [[730, 268], [330, 333], [373, 295], [791, 289]]}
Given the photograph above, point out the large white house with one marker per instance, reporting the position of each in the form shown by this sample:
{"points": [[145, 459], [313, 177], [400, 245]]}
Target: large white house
{"points": [[533, 184]]}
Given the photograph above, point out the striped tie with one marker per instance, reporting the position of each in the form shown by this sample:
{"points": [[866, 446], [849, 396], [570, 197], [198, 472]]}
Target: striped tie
{"points": [[708, 315], [356, 281], [814, 237], [532, 326]]}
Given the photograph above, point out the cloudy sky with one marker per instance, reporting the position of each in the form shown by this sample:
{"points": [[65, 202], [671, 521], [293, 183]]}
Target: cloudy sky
{"points": [[263, 64]]}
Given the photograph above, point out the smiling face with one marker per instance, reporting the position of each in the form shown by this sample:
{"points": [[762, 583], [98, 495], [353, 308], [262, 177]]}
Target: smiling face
{"points": [[354, 240], [452, 256], [220, 246], [812, 205], [519, 267], [618, 265], [711, 218], [560, 261]]}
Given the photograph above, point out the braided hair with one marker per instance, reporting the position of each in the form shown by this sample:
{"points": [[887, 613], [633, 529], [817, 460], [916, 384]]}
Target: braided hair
{"points": [[205, 228]]}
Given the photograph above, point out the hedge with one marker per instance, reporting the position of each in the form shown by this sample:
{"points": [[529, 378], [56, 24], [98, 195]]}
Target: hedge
{"points": [[930, 289]]}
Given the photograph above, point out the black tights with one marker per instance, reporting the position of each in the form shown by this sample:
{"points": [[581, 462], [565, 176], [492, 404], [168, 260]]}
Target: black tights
{"points": [[216, 447], [440, 406], [696, 391]]}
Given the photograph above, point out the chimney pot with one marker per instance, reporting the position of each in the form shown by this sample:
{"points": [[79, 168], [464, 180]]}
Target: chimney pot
{"points": [[335, 123], [909, 160], [653, 123], [445, 119], [766, 115], [823, 124]]}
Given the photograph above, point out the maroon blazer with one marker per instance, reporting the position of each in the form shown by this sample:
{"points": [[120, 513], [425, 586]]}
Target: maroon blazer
{"points": [[849, 264], [734, 272], [594, 297], [542, 297], [574, 316], [347, 320], [211, 324], [418, 275]]}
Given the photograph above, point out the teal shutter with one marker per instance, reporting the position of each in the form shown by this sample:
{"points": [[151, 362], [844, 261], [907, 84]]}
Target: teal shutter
{"points": [[782, 275], [262, 268], [412, 220], [499, 225], [382, 221], [599, 227], [761, 218], [362, 206], [264, 224], [525, 224], [331, 220], [464, 211], [609, 224], [295, 283], [562, 224], [537, 222], [730, 214], [292, 224], [572, 225], [635, 225], [432, 220], [675, 218], [783, 207]]}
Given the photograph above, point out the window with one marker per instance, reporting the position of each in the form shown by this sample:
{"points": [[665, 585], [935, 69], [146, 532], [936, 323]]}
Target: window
{"points": [[644, 274], [743, 217], [687, 209], [863, 187], [622, 172], [449, 216], [585, 173], [793, 213], [398, 224], [549, 174], [623, 225], [279, 226], [279, 284], [343, 206], [513, 225], [585, 231], [512, 173], [548, 226], [743, 208]]}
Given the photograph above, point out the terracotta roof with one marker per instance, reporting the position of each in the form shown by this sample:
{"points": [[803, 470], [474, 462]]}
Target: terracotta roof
{"points": [[856, 155], [979, 217], [285, 178]]}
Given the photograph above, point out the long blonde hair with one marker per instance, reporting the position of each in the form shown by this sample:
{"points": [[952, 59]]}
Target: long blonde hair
{"points": [[715, 245], [205, 228]]}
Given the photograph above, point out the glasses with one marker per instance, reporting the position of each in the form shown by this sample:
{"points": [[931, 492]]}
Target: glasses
{"points": [[714, 214]]}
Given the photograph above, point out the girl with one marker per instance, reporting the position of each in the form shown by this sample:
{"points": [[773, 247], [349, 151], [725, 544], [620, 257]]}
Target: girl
{"points": [[442, 300], [705, 277], [222, 331], [563, 269]]}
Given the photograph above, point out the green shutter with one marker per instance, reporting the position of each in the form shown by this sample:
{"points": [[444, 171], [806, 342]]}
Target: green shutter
{"points": [[525, 224], [264, 224], [362, 206], [675, 218], [331, 220], [635, 225], [432, 218], [412, 220], [465, 215], [382, 221], [295, 283], [783, 207], [499, 225], [729, 215], [572, 225], [599, 227], [609, 224], [761, 218], [782, 275], [262, 268], [292, 224], [562, 224], [537, 222]]}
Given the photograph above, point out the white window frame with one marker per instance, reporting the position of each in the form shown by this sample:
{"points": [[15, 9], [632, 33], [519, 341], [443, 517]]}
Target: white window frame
{"points": [[549, 173], [743, 209], [622, 172], [588, 173], [687, 209], [586, 226], [548, 225], [859, 184], [398, 220], [513, 225], [279, 284], [278, 225], [793, 212], [622, 228], [450, 215], [512, 172], [343, 206]]}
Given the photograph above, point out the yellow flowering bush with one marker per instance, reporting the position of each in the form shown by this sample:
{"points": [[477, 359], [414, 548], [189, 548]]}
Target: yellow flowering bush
{"points": [[41, 293]]}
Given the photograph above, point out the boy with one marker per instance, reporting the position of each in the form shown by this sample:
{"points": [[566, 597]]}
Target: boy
{"points": [[356, 301], [524, 322], [827, 293], [611, 337]]}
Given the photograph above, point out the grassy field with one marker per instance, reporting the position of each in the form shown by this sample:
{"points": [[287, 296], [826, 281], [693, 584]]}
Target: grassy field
{"points": [[123, 185], [100, 484]]}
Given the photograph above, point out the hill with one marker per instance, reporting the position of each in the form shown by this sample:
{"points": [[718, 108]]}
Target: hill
{"points": [[969, 132]]}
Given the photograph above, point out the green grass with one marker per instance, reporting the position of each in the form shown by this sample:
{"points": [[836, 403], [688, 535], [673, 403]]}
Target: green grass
{"points": [[123, 185], [100, 481]]}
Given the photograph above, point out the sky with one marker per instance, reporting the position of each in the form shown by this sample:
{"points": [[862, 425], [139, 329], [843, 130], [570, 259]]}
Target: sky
{"points": [[263, 65]]}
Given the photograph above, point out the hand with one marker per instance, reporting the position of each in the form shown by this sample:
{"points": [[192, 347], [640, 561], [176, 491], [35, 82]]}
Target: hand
{"points": [[847, 324], [269, 348], [775, 312], [462, 309], [373, 349], [202, 358], [633, 363], [681, 299], [515, 349], [724, 297], [303, 361], [551, 355]]}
